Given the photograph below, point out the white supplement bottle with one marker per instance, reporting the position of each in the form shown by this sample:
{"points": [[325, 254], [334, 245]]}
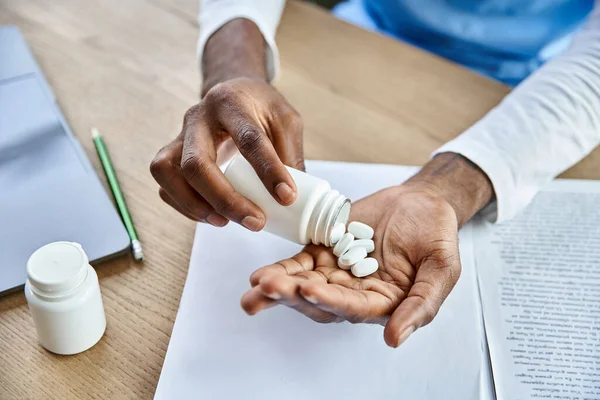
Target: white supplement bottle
{"points": [[310, 219], [64, 298]]}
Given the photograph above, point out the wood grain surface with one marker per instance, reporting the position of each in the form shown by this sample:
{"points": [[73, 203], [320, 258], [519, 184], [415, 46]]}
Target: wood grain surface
{"points": [[129, 68]]}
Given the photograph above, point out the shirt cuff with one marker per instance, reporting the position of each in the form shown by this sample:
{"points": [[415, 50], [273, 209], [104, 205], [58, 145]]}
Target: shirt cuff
{"points": [[211, 21], [507, 203]]}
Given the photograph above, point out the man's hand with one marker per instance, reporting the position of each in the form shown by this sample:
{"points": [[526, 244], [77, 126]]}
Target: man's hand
{"points": [[240, 109], [416, 244], [417, 248], [255, 118]]}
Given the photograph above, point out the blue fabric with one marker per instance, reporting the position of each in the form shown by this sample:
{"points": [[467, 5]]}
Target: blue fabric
{"points": [[503, 39]]}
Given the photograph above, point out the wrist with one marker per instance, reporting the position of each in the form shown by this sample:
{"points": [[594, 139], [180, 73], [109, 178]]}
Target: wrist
{"points": [[458, 181], [235, 50]]}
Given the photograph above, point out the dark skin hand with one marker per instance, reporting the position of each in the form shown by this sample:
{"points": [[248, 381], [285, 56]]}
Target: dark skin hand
{"points": [[416, 243], [239, 109], [416, 224]]}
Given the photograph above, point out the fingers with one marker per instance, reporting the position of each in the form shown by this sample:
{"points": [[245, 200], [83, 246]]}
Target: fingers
{"points": [[301, 262], [176, 192], [280, 283], [200, 170], [254, 301], [434, 280], [167, 199], [254, 144], [284, 289], [327, 294], [350, 304], [254, 116]]}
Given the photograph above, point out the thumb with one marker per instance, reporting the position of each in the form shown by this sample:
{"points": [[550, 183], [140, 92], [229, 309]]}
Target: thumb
{"points": [[435, 278]]}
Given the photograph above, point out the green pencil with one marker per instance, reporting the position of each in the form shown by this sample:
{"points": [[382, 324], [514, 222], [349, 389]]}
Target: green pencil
{"points": [[136, 246]]}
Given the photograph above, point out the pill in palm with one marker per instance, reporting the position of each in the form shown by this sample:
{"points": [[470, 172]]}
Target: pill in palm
{"points": [[367, 244], [343, 245], [336, 233], [360, 230], [353, 256], [342, 266], [365, 267]]}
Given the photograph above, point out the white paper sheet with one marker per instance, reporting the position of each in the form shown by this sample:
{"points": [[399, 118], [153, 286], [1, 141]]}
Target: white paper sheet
{"points": [[540, 285], [218, 352]]}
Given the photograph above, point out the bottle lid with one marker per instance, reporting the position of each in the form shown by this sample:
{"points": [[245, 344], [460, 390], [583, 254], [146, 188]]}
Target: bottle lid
{"points": [[57, 267]]}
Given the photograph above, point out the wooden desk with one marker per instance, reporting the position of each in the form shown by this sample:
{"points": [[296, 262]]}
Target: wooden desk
{"points": [[129, 68]]}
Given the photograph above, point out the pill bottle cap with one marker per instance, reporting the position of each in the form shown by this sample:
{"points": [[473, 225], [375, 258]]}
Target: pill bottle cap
{"points": [[57, 268]]}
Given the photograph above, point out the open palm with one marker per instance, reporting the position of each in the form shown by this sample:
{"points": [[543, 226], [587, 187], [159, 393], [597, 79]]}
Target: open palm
{"points": [[416, 245]]}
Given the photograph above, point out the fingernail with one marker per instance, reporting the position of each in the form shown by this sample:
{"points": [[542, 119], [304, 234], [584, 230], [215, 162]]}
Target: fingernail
{"points": [[310, 299], [274, 296], [407, 332], [285, 193], [216, 220], [252, 223]]}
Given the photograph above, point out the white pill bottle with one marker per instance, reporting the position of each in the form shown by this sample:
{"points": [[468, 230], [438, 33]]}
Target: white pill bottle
{"points": [[310, 219], [63, 294]]}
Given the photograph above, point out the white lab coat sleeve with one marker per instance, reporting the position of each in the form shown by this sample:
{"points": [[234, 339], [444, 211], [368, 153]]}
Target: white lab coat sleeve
{"points": [[264, 13], [545, 125]]}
